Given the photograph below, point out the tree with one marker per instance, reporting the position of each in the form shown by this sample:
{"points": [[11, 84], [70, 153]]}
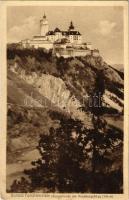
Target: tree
{"points": [[61, 167], [74, 159], [103, 137], [19, 186]]}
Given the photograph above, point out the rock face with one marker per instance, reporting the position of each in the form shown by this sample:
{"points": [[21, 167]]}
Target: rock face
{"points": [[112, 100], [55, 90], [66, 82]]}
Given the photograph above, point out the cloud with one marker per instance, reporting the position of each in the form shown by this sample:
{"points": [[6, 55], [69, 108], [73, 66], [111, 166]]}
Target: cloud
{"points": [[106, 27], [24, 30]]}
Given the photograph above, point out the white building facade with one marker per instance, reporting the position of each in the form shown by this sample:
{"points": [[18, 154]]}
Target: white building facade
{"points": [[63, 43], [47, 37]]}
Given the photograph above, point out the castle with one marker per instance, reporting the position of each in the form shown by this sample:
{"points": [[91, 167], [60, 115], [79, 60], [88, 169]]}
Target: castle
{"points": [[63, 43]]}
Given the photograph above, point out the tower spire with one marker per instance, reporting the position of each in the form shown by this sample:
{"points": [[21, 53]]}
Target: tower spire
{"points": [[44, 16], [71, 25]]}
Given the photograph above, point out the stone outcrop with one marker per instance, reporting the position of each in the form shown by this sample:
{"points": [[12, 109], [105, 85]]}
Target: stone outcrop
{"points": [[55, 90]]}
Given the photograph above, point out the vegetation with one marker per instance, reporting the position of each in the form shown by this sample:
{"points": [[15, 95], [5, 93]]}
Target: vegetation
{"points": [[79, 69], [73, 158]]}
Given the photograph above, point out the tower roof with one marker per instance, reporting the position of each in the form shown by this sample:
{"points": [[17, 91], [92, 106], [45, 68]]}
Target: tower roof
{"points": [[57, 30], [71, 25], [44, 16]]}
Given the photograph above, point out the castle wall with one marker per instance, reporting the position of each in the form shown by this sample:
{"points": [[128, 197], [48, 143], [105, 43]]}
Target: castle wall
{"points": [[37, 44], [89, 45], [63, 52], [51, 38], [70, 52], [42, 45], [78, 52]]}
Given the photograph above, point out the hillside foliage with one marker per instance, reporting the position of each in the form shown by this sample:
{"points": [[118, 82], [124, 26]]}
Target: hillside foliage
{"points": [[73, 158]]}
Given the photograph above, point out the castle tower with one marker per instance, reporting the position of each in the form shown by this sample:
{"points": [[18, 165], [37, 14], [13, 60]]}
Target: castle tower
{"points": [[43, 26]]}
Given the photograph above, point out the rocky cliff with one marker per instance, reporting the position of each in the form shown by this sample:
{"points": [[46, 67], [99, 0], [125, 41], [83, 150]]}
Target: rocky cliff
{"points": [[68, 83]]}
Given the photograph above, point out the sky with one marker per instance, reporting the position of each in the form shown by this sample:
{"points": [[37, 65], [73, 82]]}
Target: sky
{"points": [[102, 26]]}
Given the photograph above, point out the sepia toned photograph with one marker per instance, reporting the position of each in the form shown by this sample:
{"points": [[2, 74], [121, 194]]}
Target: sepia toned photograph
{"points": [[65, 99]]}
